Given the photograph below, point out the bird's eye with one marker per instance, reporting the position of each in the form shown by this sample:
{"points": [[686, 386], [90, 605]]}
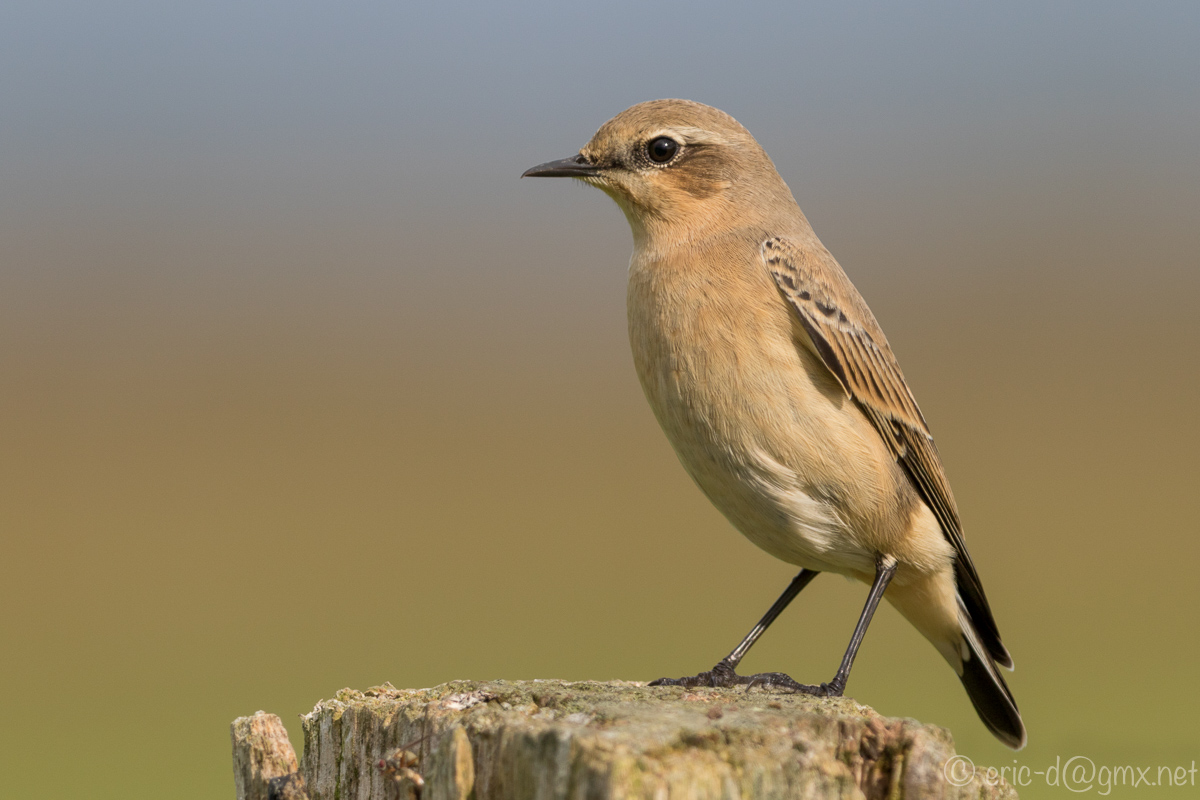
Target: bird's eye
{"points": [[662, 149]]}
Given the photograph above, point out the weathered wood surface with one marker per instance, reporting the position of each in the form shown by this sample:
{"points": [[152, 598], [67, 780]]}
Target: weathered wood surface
{"points": [[264, 763], [553, 739]]}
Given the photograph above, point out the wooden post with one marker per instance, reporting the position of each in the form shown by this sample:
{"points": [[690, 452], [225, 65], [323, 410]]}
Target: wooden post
{"points": [[264, 763], [500, 740]]}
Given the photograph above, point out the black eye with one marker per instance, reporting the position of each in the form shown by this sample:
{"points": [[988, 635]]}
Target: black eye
{"points": [[662, 149]]}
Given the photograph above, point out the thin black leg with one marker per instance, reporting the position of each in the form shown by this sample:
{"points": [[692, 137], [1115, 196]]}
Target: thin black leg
{"points": [[789, 594], [724, 673], [885, 568]]}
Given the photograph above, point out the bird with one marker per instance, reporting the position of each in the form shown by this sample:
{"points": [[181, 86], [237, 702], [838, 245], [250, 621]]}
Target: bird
{"points": [[780, 394]]}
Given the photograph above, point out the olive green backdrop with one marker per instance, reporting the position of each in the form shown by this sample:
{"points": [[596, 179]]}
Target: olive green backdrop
{"points": [[301, 388]]}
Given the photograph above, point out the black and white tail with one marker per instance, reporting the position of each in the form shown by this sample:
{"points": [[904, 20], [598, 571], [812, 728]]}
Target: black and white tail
{"points": [[986, 687]]}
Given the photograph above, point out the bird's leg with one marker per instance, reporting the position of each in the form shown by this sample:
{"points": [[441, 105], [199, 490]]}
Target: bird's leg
{"points": [[724, 673], [885, 568]]}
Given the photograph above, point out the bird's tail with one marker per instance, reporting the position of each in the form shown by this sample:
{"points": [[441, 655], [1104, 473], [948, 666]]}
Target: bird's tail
{"points": [[935, 607], [986, 687]]}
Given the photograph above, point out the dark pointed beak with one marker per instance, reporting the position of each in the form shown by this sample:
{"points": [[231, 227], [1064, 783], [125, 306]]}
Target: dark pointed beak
{"points": [[576, 166]]}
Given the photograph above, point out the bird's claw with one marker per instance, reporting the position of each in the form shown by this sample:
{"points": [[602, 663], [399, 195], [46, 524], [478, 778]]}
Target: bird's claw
{"points": [[720, 676], [779, 680], [724, 676]]}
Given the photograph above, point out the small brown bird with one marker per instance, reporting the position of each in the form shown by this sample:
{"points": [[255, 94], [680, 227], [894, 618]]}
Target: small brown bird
{"points": [[780, 393]]}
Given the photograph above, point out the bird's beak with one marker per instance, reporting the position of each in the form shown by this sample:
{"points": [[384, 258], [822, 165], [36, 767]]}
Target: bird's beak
{"points": [[576, 166]]}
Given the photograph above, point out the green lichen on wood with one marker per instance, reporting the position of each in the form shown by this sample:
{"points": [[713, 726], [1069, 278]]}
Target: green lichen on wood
{"points": [[556, 739]]}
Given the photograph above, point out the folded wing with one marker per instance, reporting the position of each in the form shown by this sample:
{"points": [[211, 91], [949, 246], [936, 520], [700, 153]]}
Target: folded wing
{"points": [[845, 335]]}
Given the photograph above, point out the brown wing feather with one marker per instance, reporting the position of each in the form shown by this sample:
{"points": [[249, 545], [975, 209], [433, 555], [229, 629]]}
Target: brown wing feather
{"points": [[846, 336]]}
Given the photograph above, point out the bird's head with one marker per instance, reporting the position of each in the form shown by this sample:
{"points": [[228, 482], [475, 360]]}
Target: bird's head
{"points": [[675, 165]]}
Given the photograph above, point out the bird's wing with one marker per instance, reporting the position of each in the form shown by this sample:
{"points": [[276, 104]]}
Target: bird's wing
{"points": [[846, 337]]}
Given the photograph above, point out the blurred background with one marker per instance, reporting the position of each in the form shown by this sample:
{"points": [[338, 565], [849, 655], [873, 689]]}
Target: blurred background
{"points": [[301, 388]]}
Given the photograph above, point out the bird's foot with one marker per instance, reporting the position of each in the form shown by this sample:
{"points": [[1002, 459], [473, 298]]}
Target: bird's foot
{"points": [[723, 675], [778, 680]]}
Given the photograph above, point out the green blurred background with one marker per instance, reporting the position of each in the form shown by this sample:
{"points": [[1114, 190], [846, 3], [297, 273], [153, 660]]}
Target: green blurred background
{"points": [[303, 389]]}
